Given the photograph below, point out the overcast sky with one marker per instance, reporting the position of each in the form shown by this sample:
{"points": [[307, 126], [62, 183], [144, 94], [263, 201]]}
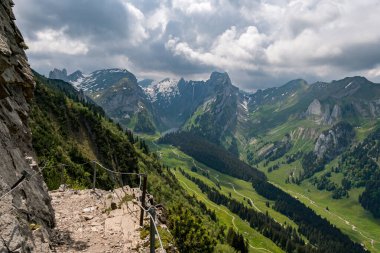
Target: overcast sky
{"points": [[259, 43]]}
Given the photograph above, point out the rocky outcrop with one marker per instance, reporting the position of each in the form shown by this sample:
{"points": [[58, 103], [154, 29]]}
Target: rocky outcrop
{"points": [[332, 142], [314, 109], [322, 114], [26, 215], [58, 74], [62, 75]]}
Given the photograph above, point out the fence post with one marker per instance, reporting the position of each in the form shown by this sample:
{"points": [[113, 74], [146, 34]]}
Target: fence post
{"points": [[94, 179], [152, 211], [62, 174], [145, 179]]}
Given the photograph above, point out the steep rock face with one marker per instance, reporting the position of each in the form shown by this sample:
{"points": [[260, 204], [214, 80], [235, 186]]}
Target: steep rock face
{"points": [[216, 119], [126, 102], [29, 203], [322, 114], [332, 142], [314, 109]]}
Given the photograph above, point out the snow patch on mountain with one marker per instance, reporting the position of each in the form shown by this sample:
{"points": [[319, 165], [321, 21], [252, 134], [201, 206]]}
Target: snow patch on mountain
{"points": [[78, 82], [165, 89], [98, 79]]}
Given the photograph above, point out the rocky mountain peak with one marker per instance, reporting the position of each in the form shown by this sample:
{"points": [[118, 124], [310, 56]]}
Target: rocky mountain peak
{"points": [[220, 78], [295, 84], [58, 74], [145, 83], [75, 75]]}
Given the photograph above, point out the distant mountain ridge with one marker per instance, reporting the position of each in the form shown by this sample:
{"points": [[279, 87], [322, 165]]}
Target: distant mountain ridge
{"points": [[203, 105]]}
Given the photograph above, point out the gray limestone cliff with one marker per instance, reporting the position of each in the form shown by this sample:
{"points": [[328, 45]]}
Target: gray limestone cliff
{"points": [[26, 215], [332, 142], [322, 114]]}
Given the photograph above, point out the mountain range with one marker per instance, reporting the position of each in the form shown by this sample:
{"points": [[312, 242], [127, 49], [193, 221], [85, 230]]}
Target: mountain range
{"points": [[220, 111], [309, 126]]}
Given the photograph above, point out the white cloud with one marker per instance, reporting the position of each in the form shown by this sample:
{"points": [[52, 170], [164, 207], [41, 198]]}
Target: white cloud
{"points": [[193, 6], [230, 50], [56, 41], [158, 20], [136, 24], [264, 39]]}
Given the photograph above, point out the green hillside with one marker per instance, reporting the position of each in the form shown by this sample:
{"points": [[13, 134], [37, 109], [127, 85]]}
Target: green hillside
{"points": [[68, 130]]}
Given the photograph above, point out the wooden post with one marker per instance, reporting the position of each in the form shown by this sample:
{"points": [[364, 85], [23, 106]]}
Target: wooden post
{"points": [[94, 179], [152, 211], [145, 179]]}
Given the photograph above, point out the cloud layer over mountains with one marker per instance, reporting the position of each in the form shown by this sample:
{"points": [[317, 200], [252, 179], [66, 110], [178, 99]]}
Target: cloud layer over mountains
{"points": [[260, 43]]}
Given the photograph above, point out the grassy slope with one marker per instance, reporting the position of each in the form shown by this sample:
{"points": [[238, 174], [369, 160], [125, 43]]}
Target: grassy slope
{"points": [[175, 158], [366, 227], [340, 210]]}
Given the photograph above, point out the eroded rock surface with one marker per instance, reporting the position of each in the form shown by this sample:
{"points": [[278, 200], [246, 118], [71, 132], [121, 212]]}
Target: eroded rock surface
{"points": [[26, 215]]}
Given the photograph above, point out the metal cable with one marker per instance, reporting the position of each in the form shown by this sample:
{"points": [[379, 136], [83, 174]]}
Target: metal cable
{"points": [[116, 172], [27, 179], [155, 226]]}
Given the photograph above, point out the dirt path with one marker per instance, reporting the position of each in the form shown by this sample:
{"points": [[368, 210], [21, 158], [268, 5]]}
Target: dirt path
{"points": [[98, 222]]}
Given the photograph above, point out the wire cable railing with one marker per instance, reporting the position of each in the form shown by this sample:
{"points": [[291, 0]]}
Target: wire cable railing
{"points": [[26, 177]]}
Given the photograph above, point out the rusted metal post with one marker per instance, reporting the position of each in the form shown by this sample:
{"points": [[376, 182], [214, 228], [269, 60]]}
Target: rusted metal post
{"points": [[62, 175], [145, 179], [152, 212], [94, 179]]}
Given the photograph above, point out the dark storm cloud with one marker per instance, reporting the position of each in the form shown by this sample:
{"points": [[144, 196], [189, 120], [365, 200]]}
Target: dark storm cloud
{"points": [[97, 19], [260, 43], [355, 57]]}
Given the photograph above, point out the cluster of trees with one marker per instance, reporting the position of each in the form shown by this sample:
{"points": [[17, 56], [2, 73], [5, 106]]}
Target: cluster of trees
{"points": [[281, 147], [360, 168], [273, 167], [285, 237], [62, 119], [311, 165], [293, 157], [58, 123], [212, 155], [324, 183], [144, 123], [343, 134], [370, 198], [320, 233], [190, 234], [237, 241], [195, 228], [278, 150]]}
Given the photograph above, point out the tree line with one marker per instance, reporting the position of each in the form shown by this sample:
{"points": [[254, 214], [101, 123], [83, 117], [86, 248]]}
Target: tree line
{"points": [[320, 233], [212, 155], [285, 237]]}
